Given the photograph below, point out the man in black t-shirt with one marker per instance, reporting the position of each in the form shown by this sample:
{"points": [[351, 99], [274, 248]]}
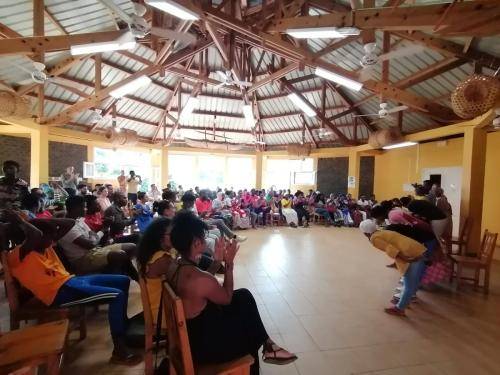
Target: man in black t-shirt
{"points": [[430, 213]]}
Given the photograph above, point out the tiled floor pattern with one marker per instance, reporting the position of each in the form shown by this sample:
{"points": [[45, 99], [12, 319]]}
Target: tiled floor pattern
{"points": [[320, 293]]}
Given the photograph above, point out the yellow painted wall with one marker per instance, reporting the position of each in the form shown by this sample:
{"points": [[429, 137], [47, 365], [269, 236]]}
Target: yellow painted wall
{"points": [[397, 167], [491, 206]]}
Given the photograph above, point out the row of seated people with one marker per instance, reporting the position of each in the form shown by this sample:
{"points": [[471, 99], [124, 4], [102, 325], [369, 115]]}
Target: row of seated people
{"points": [[215, 313]]}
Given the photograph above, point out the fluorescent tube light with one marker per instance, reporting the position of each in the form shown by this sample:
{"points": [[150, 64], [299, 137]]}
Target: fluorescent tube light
{"points": [[126, 41], [189, 107], [306, 108], [322, 32], [174, 9], [398, 145], [130, 87], [248, 113], [337, 78]]}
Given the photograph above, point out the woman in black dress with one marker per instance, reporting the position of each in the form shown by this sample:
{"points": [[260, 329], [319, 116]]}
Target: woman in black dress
{"points": [[222, 324]]}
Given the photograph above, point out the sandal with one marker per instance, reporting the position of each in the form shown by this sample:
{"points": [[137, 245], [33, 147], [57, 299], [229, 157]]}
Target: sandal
{"points": [[269, 355], [395, 311]]}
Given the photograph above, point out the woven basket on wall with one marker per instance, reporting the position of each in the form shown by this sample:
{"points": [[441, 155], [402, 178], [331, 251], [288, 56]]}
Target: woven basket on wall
{"points": [[384, 137], [475, 96], [13, 105]]}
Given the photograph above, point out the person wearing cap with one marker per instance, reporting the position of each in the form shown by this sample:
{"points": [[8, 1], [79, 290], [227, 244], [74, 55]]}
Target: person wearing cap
{"points": [[408, 256]]}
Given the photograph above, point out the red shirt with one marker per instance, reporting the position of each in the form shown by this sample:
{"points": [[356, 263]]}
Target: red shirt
{"points": [[203, 206], [94, 221]]}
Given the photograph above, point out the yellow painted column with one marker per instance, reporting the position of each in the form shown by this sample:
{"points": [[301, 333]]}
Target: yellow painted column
{"points": [[39, 166], [473, 163], [164, 168], [353, 173], [258, 170]]}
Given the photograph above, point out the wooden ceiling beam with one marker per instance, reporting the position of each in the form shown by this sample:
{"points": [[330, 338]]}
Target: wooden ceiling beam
{"points": [[96, 98], [287, 50], [273, 77], [54, 43], [320, 115], [418, 17], [449, 48]]}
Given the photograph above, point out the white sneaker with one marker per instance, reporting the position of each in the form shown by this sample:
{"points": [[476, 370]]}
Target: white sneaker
{"points": [[240, 238]]}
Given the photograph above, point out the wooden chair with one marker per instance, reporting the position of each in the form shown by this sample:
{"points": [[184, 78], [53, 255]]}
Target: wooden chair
{"points": [[34, 346], [181, 362], [149, 329], [24, 307], [274, 218], [318, 219], [463, 236], [480, 262]]}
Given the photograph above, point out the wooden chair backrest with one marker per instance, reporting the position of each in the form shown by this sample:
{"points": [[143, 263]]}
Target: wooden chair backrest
{"points": [[11, 285], [488, 245], [178, 341], [149, 326], [463, 235]]}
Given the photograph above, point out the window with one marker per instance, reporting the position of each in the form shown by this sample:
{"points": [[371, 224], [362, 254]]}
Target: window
{"points": [[211, 171], [282, 173], [181, 170], [240, 173], [109, 162]]}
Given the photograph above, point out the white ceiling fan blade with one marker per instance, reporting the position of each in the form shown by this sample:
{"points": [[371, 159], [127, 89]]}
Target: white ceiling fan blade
{"points": [[367, 115], [222, 74], [25, 82], [173, 35], [220, 85], [38, 66], [110, 4], [402, 52], [398, 109], [366, 73], [242, 83]]}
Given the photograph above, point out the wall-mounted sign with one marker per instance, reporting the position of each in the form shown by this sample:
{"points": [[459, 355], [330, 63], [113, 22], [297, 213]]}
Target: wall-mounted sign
{"points": [[351, 182]]}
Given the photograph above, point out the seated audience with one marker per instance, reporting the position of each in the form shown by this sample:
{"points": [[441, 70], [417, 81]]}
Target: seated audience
{"points": [[222, 324], [165, 208], [300, 206], [82, 247], [320, 208], [119, 221], [288, 212], [143, 213], [154, 194], [31, 205], [12, 188], [102, 198], [408, 255], [36, 266], [93, 216], [155, 255]]}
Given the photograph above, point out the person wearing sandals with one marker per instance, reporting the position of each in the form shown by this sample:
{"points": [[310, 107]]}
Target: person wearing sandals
{"points": [[223, 324], [408, 255]]}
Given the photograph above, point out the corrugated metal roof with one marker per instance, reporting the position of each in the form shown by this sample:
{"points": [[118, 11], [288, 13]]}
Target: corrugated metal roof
{"points": [[281, 120]]}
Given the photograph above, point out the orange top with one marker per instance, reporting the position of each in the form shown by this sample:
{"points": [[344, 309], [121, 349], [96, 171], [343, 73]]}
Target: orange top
{"points": [[43, 274]]}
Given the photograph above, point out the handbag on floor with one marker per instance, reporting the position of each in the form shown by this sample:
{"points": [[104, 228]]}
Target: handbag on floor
{"points": [[436, 272]]}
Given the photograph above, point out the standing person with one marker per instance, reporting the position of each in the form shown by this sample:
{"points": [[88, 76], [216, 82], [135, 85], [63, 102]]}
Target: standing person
{"points": [[445, 206], [69, 180], [408, 255], [433, 215], [122, 182], [82, 189], [223, 324], [110, 188], [12, 188], [143, 212], [133, 183], [37, 267]]}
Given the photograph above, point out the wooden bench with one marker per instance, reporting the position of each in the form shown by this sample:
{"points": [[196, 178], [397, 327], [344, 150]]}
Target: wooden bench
{"points": [[179, 351], [35, 346]]}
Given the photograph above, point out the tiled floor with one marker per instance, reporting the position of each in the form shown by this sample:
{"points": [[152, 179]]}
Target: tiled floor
{"points": [[321, 292]]}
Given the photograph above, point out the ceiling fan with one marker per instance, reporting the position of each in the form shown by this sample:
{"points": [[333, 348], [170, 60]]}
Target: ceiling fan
{"points": [[384, 112], [371, 59], [227, 80], [37, 75], [323, 133], [140, 27]]}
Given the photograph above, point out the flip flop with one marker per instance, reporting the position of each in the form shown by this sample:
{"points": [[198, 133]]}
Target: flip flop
{"points": [[273, 349]]}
